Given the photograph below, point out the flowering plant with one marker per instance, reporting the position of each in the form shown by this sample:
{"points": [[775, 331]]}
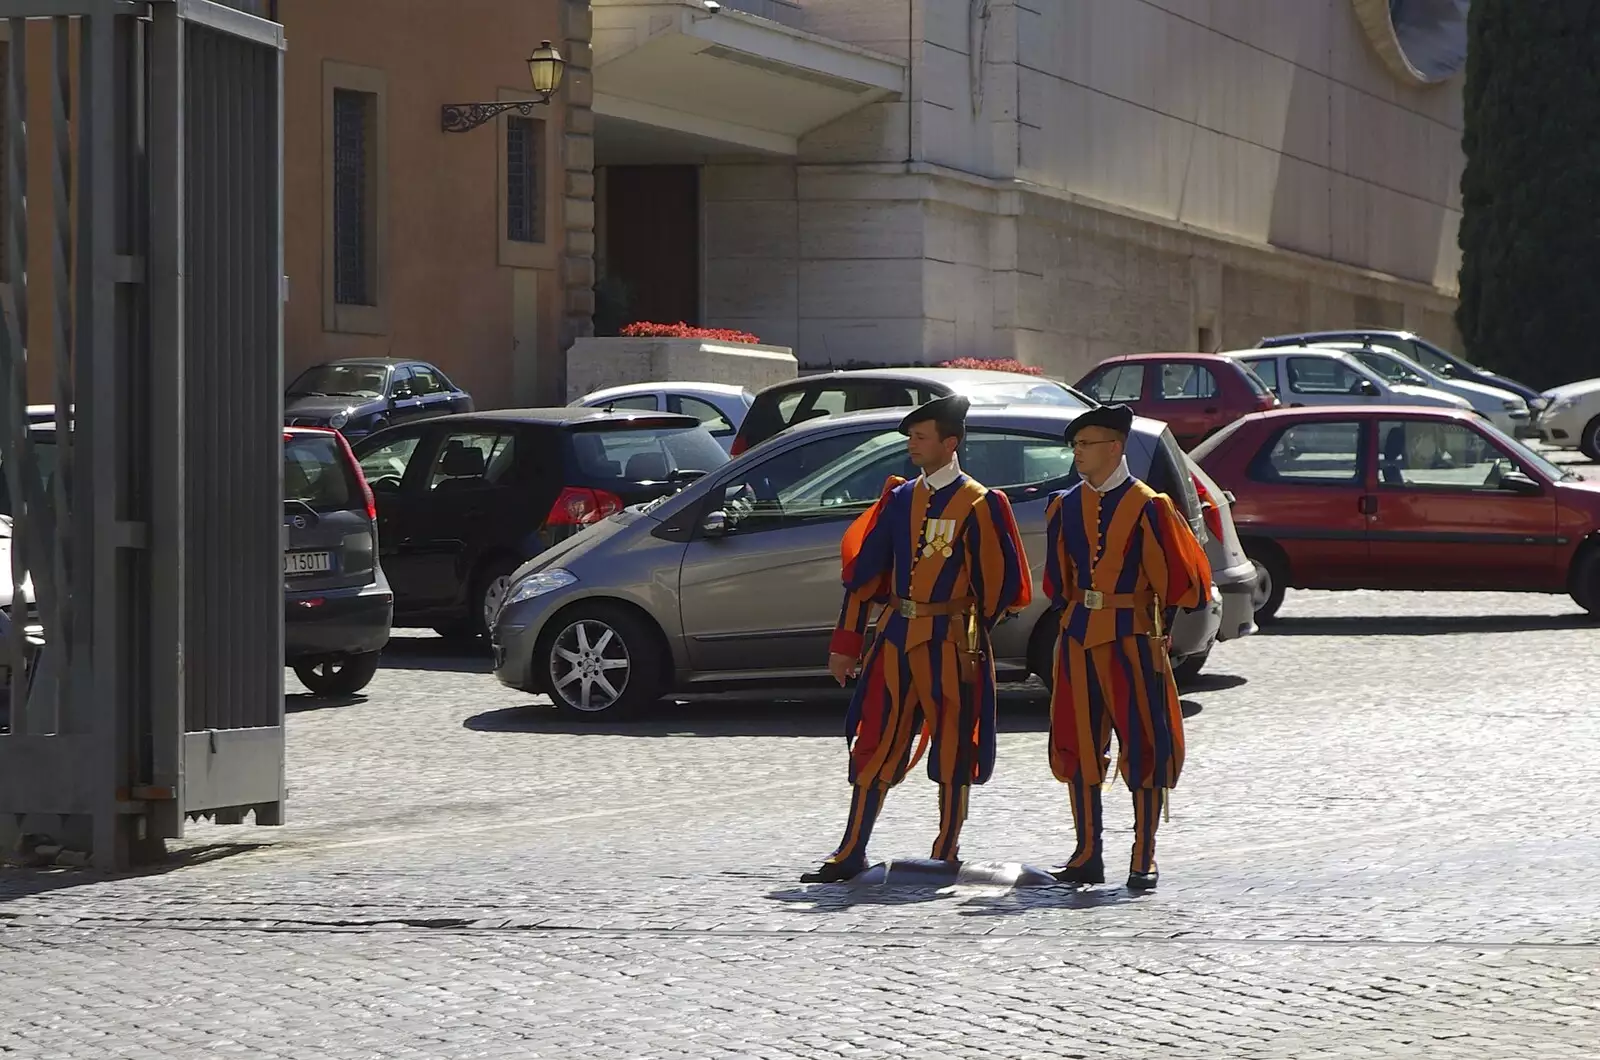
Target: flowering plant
{"points": [[1009, 364], [644, 329]]}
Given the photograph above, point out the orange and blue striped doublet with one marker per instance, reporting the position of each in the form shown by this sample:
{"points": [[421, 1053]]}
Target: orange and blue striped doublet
{"points": [[943, 549], [1128, 547]]}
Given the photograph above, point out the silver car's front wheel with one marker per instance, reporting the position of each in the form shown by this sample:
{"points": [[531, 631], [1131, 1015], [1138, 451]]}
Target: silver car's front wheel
{"points": [[590, 666]]}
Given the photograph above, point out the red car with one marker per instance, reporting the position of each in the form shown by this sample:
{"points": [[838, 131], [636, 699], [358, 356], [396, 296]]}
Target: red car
{"points": [[1395, 497], [1197, 394]]}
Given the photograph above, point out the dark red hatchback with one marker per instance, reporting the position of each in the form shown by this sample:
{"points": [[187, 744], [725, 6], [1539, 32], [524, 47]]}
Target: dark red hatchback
{"points": [[1394, 497], [1196, 394]]}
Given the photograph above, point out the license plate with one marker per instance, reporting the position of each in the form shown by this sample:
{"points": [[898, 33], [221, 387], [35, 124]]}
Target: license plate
{"points": [[307, 562]]}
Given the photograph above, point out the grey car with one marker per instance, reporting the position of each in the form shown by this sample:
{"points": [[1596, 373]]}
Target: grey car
{"points": [[734, 581]]}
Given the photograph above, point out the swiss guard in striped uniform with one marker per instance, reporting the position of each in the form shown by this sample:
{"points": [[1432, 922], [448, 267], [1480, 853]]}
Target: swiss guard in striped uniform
{"points": [[942, 554], [1121, 563]]}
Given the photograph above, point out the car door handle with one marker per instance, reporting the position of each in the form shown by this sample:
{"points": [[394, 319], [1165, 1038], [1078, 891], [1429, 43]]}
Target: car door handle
{"points": [[1368, 505]]}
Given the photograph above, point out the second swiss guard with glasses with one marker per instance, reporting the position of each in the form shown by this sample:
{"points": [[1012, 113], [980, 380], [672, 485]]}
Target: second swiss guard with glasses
{"points": [[942, 556], [1120, 563]]}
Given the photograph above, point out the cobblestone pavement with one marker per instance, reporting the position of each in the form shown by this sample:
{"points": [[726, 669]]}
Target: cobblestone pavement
{"points": [[1383, 846]]}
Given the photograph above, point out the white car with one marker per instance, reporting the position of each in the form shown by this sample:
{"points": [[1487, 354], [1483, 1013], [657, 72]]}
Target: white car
{"points": [[720, 407], [1311, 375], [1572, 418], [1502, 408]]}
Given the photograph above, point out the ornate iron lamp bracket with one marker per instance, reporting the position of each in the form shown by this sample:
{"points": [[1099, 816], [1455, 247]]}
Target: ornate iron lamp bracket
{"points": [[464, 117]]}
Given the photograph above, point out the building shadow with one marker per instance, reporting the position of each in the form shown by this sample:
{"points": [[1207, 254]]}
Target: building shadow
{"points": [[1424, 625], [19, 880]]}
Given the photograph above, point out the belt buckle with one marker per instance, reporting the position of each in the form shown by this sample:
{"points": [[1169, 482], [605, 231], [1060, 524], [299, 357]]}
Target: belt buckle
{"points": [[908, 609], [1094, 599]]}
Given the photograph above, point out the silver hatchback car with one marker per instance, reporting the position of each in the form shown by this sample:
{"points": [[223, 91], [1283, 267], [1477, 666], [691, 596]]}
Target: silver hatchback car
{"points": [[735, 580]]}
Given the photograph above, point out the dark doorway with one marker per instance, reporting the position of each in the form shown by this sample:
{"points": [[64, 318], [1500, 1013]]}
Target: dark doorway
{"points": [[653, 242]]}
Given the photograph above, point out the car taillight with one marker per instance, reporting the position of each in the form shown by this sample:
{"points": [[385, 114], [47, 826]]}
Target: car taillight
{"points": [[355, 466], [579, 506], [738, 447], [1208, 508], [1266, 401]]}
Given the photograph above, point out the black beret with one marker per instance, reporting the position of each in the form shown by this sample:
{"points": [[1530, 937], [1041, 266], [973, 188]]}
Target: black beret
{"points": [[1118, 418], [952, 408]]}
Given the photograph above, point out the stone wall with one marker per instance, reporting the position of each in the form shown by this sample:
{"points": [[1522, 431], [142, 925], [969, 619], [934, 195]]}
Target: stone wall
{"points": [[577, 211]]}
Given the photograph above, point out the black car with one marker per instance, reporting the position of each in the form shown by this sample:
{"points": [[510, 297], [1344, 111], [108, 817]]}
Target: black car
{"points": [[782, 405], [360, 396], [1418, 349], [337, 605], [463, 501]]}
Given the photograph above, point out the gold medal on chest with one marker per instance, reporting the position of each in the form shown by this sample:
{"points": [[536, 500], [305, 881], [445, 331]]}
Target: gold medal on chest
{"points": [[938, 536]]}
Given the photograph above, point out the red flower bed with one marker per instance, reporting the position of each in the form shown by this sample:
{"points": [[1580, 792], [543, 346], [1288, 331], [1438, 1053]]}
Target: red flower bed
{"points": [[644, 329], [1010, 364]]}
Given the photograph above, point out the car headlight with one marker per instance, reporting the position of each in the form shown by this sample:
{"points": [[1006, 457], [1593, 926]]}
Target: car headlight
{"points": [[1562, 404], [338, 420], [539, 583]]}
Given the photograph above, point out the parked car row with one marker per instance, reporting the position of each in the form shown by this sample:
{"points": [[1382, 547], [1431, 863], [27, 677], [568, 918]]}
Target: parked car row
{"points": [[734, 580]]}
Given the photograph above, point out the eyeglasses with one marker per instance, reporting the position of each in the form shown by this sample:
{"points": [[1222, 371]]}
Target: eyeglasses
{"points": [[1084, 445]]}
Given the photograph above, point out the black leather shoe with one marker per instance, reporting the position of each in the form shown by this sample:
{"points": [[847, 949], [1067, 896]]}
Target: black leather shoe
{"points": [[835, 871], [1143, 881], [1092, 871]]}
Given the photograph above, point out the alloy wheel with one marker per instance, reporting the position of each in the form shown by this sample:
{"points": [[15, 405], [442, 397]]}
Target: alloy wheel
{"points": [[589, 666]]}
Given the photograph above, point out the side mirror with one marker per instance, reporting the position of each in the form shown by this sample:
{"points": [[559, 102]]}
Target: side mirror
{"points": [[716, 524], [1367, 388], [1518, 482], [403, 394]]}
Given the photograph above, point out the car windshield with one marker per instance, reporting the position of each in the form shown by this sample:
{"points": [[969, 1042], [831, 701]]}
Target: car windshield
{"points": [[1025, 391], [644, 454], [340, 380], [1528, 456], [836, 482], [1391, 369]]}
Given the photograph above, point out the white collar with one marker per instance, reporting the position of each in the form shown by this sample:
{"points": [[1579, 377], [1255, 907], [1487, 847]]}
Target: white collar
{"points": [[1118, 476], [944, 476]]}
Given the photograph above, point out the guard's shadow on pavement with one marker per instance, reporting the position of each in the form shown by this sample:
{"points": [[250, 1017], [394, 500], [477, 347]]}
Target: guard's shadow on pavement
{"points": [[25, 881], [836, 898], [429, 651], [1424, 625]]}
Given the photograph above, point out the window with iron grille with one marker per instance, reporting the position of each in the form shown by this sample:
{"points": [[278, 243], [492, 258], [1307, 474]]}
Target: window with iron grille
{"points": [[524, 200], [354, 208]]}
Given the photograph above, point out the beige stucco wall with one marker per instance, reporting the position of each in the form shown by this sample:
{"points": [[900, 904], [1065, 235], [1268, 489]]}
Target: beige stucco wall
{"points": [[1112, 176], [448, 288]]}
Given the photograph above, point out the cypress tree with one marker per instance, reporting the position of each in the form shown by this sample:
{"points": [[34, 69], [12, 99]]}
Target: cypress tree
{"points": [[1530, 193]]}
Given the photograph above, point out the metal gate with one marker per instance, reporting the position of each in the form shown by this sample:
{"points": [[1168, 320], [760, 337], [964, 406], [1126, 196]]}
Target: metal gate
{"points": [[146, 686]]}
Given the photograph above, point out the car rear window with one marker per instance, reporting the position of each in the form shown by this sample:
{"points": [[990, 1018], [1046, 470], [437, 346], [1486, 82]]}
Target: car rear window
{"points": [[1257, 384], [315, 473], [640, 454], [775, 411]]}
